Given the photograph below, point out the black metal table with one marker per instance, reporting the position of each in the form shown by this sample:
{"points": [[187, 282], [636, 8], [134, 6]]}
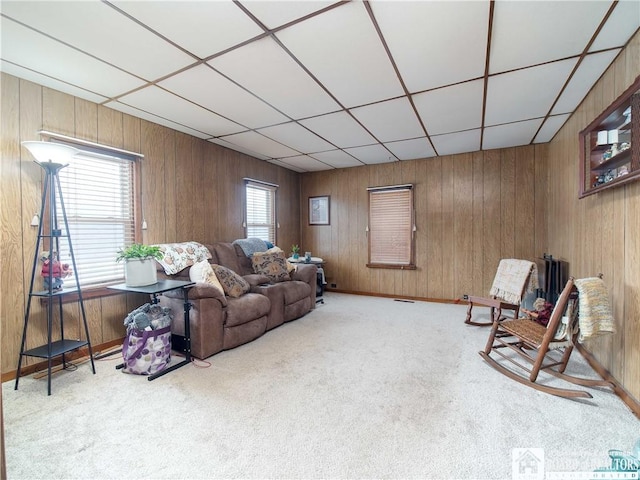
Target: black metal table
{"points": [[154, 290]]}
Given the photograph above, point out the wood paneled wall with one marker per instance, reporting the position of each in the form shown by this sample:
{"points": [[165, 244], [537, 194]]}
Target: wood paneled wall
{"points": [[471, 211], [601, 233], [191, 190]]}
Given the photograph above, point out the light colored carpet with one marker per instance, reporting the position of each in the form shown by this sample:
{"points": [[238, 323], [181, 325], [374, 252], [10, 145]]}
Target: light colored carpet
{"points": [[360, 388]]}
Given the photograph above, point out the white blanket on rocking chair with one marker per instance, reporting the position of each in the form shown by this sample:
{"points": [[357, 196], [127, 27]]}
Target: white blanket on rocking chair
{"points": [[509, 282], [594, 312]]}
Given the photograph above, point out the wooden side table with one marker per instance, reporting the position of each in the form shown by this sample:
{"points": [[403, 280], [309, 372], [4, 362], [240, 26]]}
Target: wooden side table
{"points": [[158, 289]]}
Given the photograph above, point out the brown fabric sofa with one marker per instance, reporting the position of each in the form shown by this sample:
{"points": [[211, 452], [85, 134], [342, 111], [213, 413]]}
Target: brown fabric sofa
{"points": [[219, 322]]}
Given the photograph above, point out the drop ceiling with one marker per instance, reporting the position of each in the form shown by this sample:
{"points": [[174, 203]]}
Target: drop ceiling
{"points": [[318, 85]]}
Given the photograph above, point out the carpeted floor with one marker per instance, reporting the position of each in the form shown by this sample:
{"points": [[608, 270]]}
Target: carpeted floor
{"points": [[362, 387]]}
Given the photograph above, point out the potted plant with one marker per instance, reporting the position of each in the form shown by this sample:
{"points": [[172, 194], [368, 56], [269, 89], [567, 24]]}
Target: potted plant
{"points": [[295, 249], [139, 265]]}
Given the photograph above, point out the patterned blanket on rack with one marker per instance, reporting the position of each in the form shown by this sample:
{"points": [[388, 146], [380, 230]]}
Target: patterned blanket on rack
{"points": [[509, 282], [594, 312]]}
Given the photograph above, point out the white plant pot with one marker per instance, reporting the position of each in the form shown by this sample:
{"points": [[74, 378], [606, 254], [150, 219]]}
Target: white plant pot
{"points": [[140, 272]]}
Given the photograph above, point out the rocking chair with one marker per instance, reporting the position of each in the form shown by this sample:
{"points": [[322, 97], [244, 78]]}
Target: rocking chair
{"points": [[512, 280], [552, 344]]}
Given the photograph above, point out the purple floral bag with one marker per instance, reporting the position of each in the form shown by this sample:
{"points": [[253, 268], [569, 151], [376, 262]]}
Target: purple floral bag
{"points": [[146, 352]]}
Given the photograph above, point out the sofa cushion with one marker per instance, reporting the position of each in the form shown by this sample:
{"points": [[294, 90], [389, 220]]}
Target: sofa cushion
{"points": [[227, 257], [296, 291], [232, 283], [246, 308], [244, 263], [178, 256], [274, 265], [203, 272]]}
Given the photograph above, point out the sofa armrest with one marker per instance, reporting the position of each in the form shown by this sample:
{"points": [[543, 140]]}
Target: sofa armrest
{"points": [[256, 279], [199, 291], [206, 318], [306, 272]]}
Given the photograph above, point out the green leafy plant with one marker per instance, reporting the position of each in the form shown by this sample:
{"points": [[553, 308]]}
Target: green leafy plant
{"points": [[295, 248], [138, 250]]}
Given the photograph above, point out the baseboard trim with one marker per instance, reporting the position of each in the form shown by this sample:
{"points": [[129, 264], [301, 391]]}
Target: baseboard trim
{"points": [[402, 297], [70, 356]]}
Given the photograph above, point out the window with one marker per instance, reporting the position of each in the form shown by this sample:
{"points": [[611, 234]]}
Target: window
{"points": [[98, 194], [261, 210], [391, 227]]}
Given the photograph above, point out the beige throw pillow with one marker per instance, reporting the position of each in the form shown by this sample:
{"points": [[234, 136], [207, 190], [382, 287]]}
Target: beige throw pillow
{"points": [[202, 272]]}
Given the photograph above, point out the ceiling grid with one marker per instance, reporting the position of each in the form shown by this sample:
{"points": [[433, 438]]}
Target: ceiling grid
{"points": [[314, 84]]}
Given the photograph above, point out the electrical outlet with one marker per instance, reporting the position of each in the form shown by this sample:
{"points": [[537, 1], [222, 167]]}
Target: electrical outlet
{"points": [[333, 285], [465, 297]]}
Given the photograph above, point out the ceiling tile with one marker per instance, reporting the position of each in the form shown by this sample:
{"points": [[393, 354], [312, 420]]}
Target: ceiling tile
{"points": [[510, 135], [342, 49], [283, 92], [339, 129], [238, 148], [282, 164], [411, 149], [460, 142], [164, 104], [50, 82], [267, 70], [201, 27], [390, 120], [276, 13], [23, 47], [259, 143], [121, 107], [451, 109], [297, 137], [550, 128], [371, 154], [588, 72], [532, 32], [214, 92], [100, 30], [424, 37], [303, 163], [623, 22], [525, 94], [338, 159]]}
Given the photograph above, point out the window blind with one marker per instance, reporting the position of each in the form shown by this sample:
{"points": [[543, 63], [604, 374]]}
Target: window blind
{"points": [[391, 226], [261, 211], [98, 195]]}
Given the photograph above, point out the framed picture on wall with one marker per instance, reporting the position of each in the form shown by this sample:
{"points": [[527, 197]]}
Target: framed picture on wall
{"points": [[319, 210]]}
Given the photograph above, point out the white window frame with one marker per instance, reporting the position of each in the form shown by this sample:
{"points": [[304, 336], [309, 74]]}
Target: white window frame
{"points": [[391, 228], [100, 200], [260, 213]]}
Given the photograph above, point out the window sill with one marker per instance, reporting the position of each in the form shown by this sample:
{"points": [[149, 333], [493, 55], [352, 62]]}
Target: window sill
{"points": [[87, 294], [392, 266]]}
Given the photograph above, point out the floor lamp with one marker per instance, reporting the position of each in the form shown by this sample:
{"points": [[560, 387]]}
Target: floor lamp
{"points": [[52, 157]]}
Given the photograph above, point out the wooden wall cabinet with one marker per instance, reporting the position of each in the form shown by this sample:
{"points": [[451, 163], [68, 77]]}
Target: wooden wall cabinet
{"points": [[610, 145]]}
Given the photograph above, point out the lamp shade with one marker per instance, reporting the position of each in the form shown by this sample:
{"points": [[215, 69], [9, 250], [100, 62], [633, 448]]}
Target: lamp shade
{"points": [[50, 152]]}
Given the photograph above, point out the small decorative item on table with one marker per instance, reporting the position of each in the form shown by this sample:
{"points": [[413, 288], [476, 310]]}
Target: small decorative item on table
{"points": [[295, 251], [307, 257], [53, 271]]}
